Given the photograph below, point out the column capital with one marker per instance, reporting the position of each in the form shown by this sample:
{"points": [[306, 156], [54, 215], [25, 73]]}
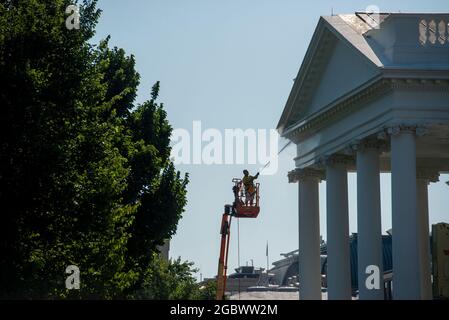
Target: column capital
{"points": [[429, 174], [331, 160], [418, 129], [299, 174], [369, 143]]}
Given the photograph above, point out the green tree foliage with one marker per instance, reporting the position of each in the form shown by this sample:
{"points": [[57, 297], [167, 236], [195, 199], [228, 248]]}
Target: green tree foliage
{"points": [[208, 291], [85, 174], [169, 280]]}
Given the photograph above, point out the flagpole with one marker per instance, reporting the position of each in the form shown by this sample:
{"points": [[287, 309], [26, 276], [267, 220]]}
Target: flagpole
{"points": [[267, 258]]}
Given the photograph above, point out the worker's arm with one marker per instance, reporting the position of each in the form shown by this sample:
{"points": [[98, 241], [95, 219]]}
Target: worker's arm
{"points": [[254, 177]]}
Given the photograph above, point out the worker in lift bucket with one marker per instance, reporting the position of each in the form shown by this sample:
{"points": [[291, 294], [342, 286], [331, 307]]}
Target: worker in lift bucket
{"points": [[250, 188]]}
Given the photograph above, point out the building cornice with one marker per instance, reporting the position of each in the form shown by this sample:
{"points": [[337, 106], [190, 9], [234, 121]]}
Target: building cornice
{"points": [[345, 105], [337, 109]]}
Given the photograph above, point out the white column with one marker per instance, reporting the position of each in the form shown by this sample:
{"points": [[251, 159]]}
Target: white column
{"points": [[338, 263], [309, 236], [369, 229], [406, 263], [424, 177]]}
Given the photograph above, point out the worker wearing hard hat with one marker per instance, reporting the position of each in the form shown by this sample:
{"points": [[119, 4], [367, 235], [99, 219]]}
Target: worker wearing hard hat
{"points": [[250, 189]]}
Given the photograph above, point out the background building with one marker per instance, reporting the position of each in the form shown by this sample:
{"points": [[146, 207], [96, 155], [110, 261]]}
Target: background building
{"points": [[371, 96]]}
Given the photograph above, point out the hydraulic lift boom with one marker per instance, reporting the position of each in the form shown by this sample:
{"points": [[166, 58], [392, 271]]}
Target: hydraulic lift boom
{"points": [[241, 208], [224, 250]]}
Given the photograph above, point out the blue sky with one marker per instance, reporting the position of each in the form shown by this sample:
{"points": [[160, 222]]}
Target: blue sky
{"points": [[231, 64]]}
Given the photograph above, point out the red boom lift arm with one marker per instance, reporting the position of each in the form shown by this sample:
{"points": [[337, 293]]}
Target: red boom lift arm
{"points": [[240, 209]]}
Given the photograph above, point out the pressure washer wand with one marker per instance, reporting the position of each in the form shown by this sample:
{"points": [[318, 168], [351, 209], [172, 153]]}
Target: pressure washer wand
{"points": [[282, 149]]}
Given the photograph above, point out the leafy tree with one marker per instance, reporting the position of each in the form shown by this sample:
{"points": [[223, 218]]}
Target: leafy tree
{"points": [[208, 291], [85, 175], [169, 280]]}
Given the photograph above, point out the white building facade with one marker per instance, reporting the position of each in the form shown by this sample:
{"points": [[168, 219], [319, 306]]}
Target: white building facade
{"points": [[371, 96]]}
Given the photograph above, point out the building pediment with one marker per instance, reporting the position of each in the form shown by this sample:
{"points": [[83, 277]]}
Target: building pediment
{"points": [[348, 54]]}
